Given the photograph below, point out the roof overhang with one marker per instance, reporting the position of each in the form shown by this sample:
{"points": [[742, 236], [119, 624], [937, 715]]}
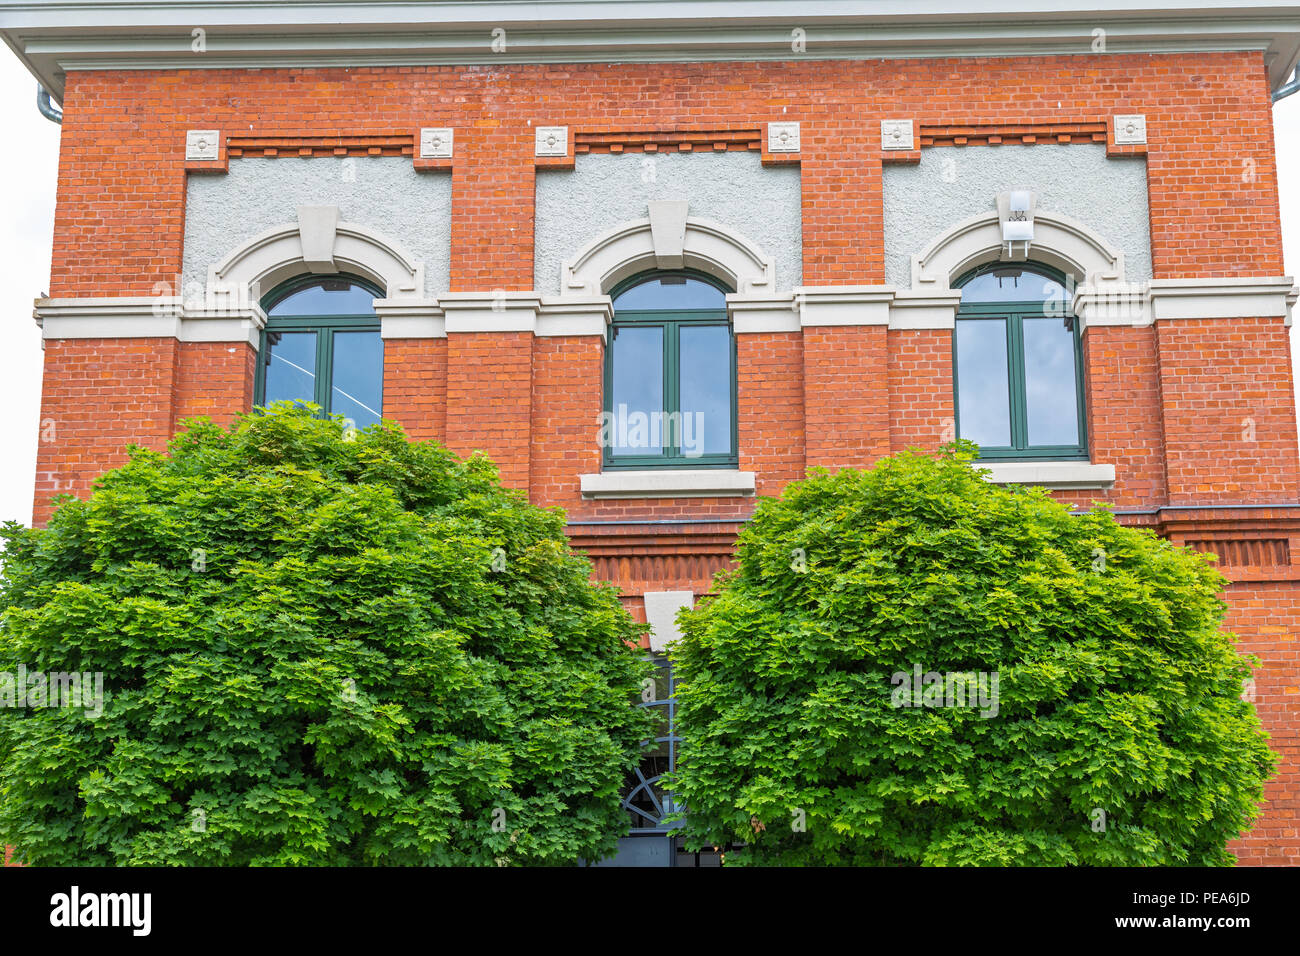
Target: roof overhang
{"points": [[53, 37]]}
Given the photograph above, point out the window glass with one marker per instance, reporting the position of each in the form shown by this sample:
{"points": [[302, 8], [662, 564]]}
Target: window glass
{"points": [[1015, 284], [1017, 372], [327, 297], [680, 293], [671, 385], [983, 396], [1051, 398], [290, 367], [358, 377], [322, 345], [644, 797], [637, 374], [705, 384]]}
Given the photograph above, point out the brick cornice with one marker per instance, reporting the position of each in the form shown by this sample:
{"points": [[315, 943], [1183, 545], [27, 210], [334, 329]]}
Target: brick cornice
{"points": [[639, 557], [1252, 544], [995, 134], [314, 144], [596, 140]]}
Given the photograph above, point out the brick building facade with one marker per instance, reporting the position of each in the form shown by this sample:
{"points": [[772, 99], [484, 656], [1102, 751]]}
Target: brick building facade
{"points": [[838, 183]]}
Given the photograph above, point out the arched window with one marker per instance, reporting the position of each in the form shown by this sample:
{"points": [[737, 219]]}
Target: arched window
{"points": [[1017, 364], [670, 374], [322, 344]]}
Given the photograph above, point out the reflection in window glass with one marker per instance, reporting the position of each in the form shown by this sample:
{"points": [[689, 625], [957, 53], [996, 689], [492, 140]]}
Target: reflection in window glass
{"points": [[671, 292], [1018, 285], [356, 391], [671, 376], [637, 353], [290, 367], [644, 797], [327, 297], [983, 394], [705, 390], [1051, 398]]}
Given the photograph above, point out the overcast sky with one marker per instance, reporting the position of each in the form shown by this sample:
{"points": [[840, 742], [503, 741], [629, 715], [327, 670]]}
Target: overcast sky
{"points": [[28, 167]]}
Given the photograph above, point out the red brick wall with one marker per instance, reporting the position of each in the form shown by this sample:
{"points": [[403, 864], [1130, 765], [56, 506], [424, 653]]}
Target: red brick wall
{"points": [[566, 406], [1265, 616], [846, 394], [1124, 412], [492, 212], [415, 386], [489, 398], [1168, 406], [120, 216], [920, 389], [215, 380], [1230, 423], [843, 219], [770, 407], [1226, 123], [119, 223], [98, 396]]}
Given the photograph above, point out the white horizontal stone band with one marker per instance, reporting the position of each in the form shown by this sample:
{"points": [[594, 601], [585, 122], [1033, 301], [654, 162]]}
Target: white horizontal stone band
{"points": [[587, 314], [1095, 305], [668, 483], [417, 319], [811, 306], [1230, 298], [494, 312], [762, 313], [844, 305], [128, 317], [146, 317], [1165, 300], [1061, 475]]}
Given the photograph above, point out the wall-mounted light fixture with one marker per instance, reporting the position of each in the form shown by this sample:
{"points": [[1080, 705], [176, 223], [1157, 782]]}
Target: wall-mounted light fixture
{"points": [[1016, 209]]}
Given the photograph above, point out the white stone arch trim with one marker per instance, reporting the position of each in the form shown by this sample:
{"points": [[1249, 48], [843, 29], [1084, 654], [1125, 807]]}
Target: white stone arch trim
{"points": [[634, 247], [1059, 241], [260, 264]]}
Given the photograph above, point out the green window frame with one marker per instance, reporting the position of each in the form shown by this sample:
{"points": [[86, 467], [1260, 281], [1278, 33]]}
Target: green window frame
{"points": [[325, 328], [672, 321], [1014, 314]]}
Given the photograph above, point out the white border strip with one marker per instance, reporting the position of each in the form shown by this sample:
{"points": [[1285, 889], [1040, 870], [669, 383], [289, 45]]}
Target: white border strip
{"points": [[1061, 475], [668, 483]]}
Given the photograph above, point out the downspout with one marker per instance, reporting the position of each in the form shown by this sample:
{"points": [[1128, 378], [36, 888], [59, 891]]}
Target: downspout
{"points": [[47, 107], [1293, 87]]}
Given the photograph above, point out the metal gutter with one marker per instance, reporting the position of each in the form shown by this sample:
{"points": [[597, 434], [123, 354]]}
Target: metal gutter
{"points": [[47, 107]]}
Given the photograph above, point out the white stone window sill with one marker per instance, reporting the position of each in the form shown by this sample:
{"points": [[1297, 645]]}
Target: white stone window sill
{"points": [[668, 483], [1063, 475]]}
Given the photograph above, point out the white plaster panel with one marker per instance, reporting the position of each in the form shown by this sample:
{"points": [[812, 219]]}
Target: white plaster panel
{"points": [[604, 190], [661, 609], [952, 184], [383, 193]]}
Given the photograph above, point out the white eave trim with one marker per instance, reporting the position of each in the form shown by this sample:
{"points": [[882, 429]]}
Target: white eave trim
{"points": [[668, 483], [59, 35], [1059, 475]]}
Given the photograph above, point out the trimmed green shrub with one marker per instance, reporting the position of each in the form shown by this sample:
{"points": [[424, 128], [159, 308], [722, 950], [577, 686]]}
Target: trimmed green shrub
{"points": [[913, 666], [317, 647]]}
